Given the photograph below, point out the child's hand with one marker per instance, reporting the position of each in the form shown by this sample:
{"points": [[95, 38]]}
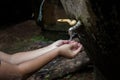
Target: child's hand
{"points": [[70, 50], [59, 43]]}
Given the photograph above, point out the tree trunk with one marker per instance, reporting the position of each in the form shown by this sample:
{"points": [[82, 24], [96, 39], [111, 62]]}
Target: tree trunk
{"points": [[99, 33]]}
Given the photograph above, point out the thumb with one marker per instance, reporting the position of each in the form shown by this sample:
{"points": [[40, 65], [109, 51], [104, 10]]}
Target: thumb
{"points": [[73, 45], [78, 49]]}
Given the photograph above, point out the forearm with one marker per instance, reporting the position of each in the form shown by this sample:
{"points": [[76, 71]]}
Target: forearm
{"points": [[26, 56], [4, 57], [9, 72], [37, 63]]}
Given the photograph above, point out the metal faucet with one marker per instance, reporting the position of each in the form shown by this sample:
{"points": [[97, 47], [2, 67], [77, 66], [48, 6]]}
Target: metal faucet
{"points": [[71, 30]]}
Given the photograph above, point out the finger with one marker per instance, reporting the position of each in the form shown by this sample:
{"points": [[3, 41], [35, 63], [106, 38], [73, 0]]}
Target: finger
{"points": [[62, 42], [77, 50], [79, 44], [72, 41], [73, 46], [66, 42]]}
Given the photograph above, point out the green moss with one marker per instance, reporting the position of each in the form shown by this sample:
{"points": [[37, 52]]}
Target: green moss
{"points": [[39, 38]]}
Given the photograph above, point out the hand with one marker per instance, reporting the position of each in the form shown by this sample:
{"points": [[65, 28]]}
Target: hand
{"points": [[59, 43], [70, 50]]}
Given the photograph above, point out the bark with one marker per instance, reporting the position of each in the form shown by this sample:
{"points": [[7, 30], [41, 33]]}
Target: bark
{"points": [[99, 33]]}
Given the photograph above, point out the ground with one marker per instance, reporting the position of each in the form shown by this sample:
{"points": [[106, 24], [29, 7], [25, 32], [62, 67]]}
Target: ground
{"points": [[26, 36]]}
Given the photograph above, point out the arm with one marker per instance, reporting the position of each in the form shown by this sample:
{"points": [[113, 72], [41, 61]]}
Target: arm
{"points": [[4, 57], [37, 63], [67, 50], [11, 71], [28, 67], [20, 57]]}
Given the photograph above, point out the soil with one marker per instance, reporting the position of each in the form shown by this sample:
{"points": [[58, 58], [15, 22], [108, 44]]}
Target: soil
{"points": [[18, 37]]}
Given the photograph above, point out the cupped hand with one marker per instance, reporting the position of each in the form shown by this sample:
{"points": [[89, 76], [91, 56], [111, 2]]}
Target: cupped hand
{"points": [[59, 43], [70, 50]]}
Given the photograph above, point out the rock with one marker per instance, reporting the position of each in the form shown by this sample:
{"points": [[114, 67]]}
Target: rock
{"points": [[60, 67]]}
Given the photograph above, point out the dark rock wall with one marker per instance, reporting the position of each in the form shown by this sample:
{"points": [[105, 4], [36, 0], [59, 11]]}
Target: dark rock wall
{"points": [[100, 33], [108, 36]]}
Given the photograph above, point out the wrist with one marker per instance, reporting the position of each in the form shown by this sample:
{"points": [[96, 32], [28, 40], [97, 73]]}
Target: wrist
{"points": [[51, 47], [57, 50]]}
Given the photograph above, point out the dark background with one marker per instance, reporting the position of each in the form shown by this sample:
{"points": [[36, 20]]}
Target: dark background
{"points": [[12, 11]]}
